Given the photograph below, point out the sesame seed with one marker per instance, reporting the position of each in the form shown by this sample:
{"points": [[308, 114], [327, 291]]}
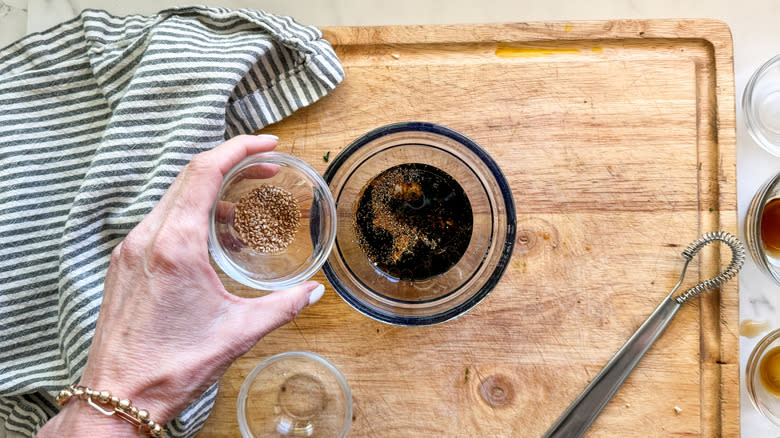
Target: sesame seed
{"points": [[267, 219]]}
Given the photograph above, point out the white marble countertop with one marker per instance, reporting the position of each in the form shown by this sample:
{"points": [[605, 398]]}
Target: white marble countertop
{"points": [[756, 39]]}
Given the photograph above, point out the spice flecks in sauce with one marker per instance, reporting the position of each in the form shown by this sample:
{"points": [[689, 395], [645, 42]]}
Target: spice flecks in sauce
{"points": [[413, 221]]}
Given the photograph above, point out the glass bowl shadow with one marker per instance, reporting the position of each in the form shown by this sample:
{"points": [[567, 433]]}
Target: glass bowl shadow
{"points": [[314, 236], [441, 298]]}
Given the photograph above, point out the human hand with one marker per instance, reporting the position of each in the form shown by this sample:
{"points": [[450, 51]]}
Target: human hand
{"points": [[167, 328]]}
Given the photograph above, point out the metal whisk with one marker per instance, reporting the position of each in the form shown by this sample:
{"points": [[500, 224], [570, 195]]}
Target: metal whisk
{"points": [[576, 420]]}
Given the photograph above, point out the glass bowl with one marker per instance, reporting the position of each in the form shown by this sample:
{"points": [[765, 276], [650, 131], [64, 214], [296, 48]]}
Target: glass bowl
{"points": [[761, 224], [762, 377], [761, 106], [296, 394], [312, 238], [395, 299]]}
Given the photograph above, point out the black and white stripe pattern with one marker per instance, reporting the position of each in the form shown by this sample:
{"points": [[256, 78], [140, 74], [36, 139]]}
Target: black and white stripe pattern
{"points": [[97, 117]]}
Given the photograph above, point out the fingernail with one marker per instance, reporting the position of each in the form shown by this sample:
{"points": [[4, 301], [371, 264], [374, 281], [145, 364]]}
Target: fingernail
{"points": [[316, 294], [268, 136]]}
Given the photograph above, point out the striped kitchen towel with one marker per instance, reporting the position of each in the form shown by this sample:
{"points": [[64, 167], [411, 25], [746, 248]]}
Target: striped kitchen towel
{"points": [[97, 117]]}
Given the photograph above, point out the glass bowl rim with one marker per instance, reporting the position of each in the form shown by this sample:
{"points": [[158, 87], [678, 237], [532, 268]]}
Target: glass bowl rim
{"points": [[505, 253], [247, 383], [219, 254], [747, 104]]}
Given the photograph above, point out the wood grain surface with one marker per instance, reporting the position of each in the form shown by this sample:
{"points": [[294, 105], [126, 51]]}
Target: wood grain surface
{"points": [[618, 140]]}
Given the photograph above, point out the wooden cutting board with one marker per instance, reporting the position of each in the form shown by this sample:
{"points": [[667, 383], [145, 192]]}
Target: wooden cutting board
{"points": [[618, 139]]}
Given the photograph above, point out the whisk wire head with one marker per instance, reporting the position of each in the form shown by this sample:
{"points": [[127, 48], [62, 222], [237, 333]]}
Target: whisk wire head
{"points": [[737, 260]]}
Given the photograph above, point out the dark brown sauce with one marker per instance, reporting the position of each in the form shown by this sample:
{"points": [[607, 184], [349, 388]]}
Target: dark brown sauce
{"points": [[770, 226], [413, 221]]}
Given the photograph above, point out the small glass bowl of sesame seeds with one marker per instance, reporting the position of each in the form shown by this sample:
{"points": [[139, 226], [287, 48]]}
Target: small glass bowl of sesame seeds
{"points": [[273, 223]]}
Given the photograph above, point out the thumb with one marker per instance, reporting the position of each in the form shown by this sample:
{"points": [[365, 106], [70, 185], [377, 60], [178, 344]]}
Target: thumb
{"points": [[264, 314]]}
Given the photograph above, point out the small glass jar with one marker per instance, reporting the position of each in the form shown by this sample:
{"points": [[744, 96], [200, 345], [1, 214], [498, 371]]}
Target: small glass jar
{"points": [[295, 394], [762, 227], [761, 377], [761, 106], [313, 237]]}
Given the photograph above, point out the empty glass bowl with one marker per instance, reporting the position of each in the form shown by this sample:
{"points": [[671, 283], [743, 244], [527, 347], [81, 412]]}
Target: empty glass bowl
{"points": [[383, 295], [313, 236], [761, 105], [295, 394]]}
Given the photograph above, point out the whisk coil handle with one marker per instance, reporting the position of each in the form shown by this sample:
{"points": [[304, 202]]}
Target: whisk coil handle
{"points": [[737, 260]]}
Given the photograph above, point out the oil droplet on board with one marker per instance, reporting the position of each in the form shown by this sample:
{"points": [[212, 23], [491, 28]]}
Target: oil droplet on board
{"points": [[532, 52], [750, 328]]}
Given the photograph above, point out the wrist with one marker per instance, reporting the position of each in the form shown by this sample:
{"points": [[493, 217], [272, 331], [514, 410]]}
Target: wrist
{"points": [[85, 411], [80, 419], [154, 395]]}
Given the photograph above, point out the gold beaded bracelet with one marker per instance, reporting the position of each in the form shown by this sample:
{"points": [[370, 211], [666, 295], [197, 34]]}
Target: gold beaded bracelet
{"points": [[123, 408]]}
